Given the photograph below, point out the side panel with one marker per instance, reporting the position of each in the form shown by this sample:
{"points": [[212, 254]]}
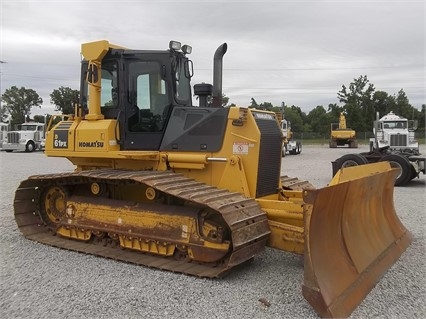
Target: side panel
{"points": [[96, 136], [84, 136], [61, 137], [194, 129]]}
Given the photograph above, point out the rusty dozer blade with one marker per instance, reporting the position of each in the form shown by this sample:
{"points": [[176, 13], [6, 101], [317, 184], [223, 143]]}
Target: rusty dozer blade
{"points": [[352, 237]]}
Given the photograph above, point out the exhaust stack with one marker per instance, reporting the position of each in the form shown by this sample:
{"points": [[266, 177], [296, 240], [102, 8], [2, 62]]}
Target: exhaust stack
{"points": [[217, 75]]}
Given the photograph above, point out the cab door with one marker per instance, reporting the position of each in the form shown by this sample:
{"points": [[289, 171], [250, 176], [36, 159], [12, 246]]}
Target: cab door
{"points": [[148, 105]]}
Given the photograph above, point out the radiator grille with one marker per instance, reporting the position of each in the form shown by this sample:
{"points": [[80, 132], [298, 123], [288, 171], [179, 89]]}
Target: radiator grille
{"points": [[13, 137], [398, 140], [269, 170]]}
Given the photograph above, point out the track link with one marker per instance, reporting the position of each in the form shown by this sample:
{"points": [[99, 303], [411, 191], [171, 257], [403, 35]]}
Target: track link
{"points": [[293, 183], [248, 224]]}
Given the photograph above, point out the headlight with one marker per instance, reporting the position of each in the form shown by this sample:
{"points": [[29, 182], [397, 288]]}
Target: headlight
{"points": [[186, 49], [174, 45]]}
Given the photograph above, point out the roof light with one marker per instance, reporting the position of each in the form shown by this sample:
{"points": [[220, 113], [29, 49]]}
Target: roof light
{"points": [[187, 49], [174, 45]]}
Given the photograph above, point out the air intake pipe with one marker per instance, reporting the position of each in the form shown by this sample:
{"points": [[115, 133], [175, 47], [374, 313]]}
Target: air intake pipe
{"points": [[203, 90], [217, 75]]}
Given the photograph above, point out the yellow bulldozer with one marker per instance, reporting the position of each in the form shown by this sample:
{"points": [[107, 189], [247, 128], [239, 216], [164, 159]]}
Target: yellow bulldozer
{"points": [[341, 135], [198, 189]]}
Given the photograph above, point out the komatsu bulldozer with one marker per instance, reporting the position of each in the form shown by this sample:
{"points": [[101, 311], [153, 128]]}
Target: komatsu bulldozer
{"points": [[198, 189]]}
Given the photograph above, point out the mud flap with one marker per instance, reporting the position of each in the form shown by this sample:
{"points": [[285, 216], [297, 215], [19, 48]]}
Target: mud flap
{"points": [[352, 237]]}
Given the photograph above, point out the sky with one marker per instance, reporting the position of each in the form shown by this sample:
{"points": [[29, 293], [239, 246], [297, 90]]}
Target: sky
{"points": [[297, 52]]}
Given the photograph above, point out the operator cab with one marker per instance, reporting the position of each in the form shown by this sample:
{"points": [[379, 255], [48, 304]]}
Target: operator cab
{"points": [[148, 96], [139, 88]]}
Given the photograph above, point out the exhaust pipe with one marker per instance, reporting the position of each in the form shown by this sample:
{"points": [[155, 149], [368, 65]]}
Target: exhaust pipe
{"points": [[217, 75]]}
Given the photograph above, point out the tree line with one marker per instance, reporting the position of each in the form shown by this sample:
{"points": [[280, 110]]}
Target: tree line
{"points": [[16, 103], [359, 101]]}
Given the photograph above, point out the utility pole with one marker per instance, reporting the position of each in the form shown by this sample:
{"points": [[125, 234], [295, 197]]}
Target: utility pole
{"points": [[1, 82]]}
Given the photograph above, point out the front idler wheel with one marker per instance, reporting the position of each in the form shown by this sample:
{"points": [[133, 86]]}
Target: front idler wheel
{"points": [[53, 208]]}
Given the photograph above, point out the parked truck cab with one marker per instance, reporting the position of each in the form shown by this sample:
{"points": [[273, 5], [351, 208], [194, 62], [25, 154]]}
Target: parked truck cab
{"points": [[3, 133], [395, 132], [393, 141], [289, 144], [29, 137]]}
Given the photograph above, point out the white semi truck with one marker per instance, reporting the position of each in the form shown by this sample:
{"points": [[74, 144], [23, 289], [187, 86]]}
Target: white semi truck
{"points": [[393, 141], [395, 132], [3, 133], [29, 137], [290, 145]]}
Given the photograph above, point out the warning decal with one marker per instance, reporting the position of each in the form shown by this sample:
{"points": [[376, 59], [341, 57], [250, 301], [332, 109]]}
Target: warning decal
{"points": [[240, 148]]}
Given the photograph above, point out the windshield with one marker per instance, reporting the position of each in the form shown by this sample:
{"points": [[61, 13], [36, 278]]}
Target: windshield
{"points": [[28, 127], [395, 125]]}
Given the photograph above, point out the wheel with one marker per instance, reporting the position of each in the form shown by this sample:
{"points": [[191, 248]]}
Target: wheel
{"points": [[349, 160], [401, 162], [299, 148], [30, 147], [53, 205], [371, 146], [353, 144], [413, 173]]}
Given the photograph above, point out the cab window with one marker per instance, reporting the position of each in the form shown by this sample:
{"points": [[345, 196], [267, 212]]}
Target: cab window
{"points": [[150, 97], [109, 85]]}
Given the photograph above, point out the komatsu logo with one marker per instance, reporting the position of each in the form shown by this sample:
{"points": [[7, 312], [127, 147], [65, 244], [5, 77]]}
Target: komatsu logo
{"points": [[91, 144], [263, 116]]}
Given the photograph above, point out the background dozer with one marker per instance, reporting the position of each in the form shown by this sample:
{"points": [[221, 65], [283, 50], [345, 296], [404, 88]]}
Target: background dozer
{"points": [[197, 190], [341, 135]]}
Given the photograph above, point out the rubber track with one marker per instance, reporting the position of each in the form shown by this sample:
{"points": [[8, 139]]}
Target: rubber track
{"points": [[239, 212]]}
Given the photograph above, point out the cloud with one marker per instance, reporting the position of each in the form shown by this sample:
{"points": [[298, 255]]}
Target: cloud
{"points": [[300, 52]]}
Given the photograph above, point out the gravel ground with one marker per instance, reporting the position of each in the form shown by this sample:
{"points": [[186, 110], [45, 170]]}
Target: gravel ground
{"points": [[38, 281]]}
